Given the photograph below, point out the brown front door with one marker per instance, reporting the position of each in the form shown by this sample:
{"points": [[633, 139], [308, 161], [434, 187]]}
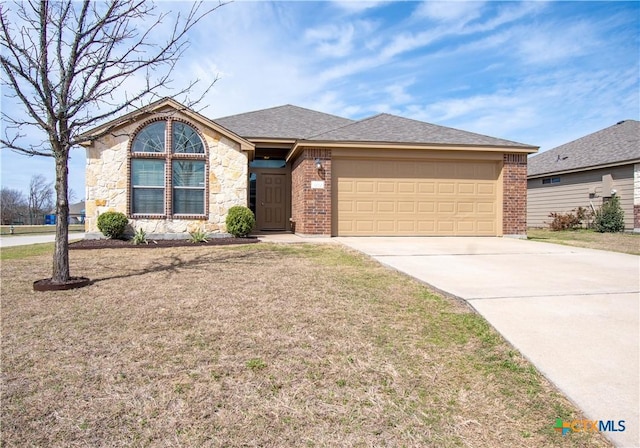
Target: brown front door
{"points": [[270, 201]]}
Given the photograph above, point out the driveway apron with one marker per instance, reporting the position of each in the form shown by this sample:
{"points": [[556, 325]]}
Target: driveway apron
{"points": [[573, 312]]}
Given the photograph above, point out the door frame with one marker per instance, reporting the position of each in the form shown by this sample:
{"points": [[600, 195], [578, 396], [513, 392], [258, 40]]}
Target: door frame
{"points": [[287, 193]]}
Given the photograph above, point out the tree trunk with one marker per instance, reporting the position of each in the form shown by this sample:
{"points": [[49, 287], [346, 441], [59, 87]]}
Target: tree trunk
{"points": [[61, 252]]}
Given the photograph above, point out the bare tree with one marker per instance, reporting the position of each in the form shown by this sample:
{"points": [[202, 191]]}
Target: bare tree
{"points": [[40, 198], [68, 63], [13, 206]]}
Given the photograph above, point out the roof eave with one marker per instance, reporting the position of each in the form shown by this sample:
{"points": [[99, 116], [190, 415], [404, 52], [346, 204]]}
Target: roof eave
{"points": [[584, 168], [300, 144]]}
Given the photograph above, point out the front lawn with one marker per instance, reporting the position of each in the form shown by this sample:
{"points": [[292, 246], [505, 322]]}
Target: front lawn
{"points": [[259, 345], [628, 243]]}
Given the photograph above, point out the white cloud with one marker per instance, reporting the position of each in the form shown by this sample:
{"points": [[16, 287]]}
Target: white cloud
{"points": [[450, 11], [339, 40], [554, 42], [357, 6]]}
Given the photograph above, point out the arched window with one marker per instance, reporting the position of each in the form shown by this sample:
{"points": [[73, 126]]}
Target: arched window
{"points": [[168, 182]]}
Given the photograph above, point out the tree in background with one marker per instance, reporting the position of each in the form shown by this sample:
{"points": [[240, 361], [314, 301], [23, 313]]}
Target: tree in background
{"points": [[69, 64], [13, 206], [40, 199]]}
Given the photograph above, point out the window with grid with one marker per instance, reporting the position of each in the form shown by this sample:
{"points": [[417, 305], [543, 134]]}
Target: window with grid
{"points": [[168, 168]]}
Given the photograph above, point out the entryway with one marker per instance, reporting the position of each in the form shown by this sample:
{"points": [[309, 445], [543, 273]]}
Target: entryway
{"points": [[270, 194]]}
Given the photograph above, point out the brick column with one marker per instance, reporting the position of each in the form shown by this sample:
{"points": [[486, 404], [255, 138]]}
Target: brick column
{"points": [[311, 207], [514, 195]]}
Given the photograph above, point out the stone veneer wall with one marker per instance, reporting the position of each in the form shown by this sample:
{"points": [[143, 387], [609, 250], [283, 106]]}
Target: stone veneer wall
{"points": [[514, 195], [107, 183], [311, 207]]}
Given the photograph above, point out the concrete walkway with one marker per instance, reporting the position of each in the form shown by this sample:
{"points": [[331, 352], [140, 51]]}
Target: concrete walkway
{"points": [[574, 313], [25, 240]]}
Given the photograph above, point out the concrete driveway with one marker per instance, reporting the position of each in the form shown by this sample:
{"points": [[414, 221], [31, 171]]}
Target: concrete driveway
{"points": [[572, 312]]}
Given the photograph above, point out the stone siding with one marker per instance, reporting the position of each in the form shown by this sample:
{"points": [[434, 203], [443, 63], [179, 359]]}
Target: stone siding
{"points": [[108, 185]]}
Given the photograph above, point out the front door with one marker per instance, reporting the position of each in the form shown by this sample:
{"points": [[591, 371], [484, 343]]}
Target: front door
{"points": [[270, 201]]}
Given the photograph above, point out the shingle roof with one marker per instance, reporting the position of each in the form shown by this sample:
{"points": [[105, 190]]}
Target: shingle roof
{"points": [[615, 144], [391, 128], [287, 122]]}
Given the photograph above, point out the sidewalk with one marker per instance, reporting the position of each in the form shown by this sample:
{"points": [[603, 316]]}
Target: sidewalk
{"points": [[25, 240]]}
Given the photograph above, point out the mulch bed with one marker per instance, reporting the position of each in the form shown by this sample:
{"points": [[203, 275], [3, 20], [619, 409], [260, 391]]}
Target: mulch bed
{"points": [[128, 244]]}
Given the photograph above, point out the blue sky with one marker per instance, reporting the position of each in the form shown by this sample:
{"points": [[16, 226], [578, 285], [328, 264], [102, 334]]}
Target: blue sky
{"points": [[541, 73]]}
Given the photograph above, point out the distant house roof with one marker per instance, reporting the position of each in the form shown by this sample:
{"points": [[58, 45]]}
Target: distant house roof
{"points": [[617, 144], [283, 122], [391, 128]]}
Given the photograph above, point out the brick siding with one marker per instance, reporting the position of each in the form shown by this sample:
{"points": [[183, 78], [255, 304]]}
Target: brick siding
{"points": [[311, 208], [514, 194]]}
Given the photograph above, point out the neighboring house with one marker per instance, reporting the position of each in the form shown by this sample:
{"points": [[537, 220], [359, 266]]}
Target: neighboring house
{"points": [[586, 172], [172, 170], [76, 214]]}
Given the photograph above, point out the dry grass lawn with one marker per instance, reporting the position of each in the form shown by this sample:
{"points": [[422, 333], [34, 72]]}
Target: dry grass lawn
{"points": [[259, 345], [628, 243]]}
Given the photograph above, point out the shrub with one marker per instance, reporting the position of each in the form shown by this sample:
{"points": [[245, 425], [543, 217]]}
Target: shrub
{"points": [[568, 221], [198, 237], [240, 221], [140, 237], [609, 217], [112, 224]]}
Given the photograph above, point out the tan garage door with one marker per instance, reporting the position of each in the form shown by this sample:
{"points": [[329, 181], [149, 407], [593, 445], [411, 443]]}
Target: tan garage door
{"points": [[409, 197]]}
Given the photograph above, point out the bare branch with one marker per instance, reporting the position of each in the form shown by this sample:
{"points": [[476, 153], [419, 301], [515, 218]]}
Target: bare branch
{"points": [[67, 62]]}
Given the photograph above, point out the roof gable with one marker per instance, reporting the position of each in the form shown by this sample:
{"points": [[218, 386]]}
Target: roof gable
{"points": [[613, 145], [165, 105], [386, 128], [282, 122]]}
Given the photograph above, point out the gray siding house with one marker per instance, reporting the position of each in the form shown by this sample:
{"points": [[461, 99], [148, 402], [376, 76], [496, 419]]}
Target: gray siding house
{"points": [[585, 173]]}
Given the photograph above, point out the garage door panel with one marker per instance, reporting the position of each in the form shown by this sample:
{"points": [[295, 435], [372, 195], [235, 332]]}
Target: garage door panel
{"points": [[486, 227], [467, 227], [446, 188], [426, 207], [486, 189], [486, 208], [386, 207], [407, 207], [446, 207], [425, 187], [466, 207], [407, 187], [426, 226], [365, 186], [406, 226], [391, 197], [364, 206], [386, 226], [466, 188], [386, 187], [446, 226]]}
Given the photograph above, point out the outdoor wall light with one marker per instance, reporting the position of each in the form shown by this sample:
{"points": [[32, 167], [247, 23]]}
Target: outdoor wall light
{"points": [[318, 164]]}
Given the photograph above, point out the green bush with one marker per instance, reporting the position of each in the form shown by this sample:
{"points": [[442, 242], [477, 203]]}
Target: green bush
{"points": [[112, 224], [609, 217], [240, 221]]}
